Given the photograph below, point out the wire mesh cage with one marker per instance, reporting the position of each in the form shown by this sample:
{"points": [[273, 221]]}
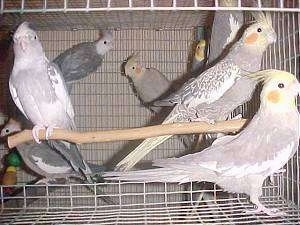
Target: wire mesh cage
{"points": [[163, 33]]}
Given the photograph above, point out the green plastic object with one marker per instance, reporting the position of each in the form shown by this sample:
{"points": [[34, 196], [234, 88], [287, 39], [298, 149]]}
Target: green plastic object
{"points": [[14, 159]]}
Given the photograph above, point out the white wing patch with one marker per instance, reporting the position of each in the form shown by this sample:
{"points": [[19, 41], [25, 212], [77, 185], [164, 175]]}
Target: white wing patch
{"points": [[60, 90], [16, 99], [48, 168], [234, 27]]}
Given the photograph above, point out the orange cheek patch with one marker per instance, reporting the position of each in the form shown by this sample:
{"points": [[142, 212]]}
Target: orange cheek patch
{"points": [[138, 70], [274, 96], [251, 38]]}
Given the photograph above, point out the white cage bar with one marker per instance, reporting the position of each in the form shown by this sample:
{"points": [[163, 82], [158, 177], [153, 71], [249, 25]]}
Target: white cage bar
{"points": [[163, 32]]}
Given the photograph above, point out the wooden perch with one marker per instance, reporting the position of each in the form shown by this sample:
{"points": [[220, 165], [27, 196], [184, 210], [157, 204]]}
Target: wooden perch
{"points": [[130, 134]]}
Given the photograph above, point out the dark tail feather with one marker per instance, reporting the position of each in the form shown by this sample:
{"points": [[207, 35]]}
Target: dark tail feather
{"points": [[107, 199]]}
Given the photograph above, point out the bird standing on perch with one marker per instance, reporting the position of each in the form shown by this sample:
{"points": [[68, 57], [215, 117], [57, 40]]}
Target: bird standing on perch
{"points": [[240, 163], [211, 85], [39, 91]]}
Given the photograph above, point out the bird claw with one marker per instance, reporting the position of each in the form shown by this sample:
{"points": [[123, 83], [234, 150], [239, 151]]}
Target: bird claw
{"points": [[35, 133], [49, 131], [237, 117], [268, 211]]}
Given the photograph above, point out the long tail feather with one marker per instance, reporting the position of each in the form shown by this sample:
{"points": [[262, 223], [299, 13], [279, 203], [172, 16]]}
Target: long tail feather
{"points": [[152, 175], [140, 152], [183, 174]]}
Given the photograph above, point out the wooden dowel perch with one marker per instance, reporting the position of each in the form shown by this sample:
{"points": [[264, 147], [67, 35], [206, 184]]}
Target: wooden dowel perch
{"points": [[130, 134]]}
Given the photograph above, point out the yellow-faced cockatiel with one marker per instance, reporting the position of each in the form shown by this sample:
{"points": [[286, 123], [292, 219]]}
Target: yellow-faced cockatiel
{"points": [[240, 163]]}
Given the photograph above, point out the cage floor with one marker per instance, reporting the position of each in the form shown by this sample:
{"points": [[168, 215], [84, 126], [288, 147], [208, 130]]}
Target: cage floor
{"points": [[218, 212]]}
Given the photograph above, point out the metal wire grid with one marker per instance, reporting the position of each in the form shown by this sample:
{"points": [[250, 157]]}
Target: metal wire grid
{"points": [[116, 14], [105, 100], [284, 194], [164, 205], [112, 5]]}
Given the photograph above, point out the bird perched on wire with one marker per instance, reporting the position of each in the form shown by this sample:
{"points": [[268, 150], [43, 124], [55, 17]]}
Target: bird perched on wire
{"points": [[241, 163], [199, 56], [211, 85], [84, 58], [39, 91], [148, 83]]}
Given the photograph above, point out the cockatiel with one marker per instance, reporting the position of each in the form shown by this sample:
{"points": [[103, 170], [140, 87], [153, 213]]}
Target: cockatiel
{"points": [[12, 126], [225, 27], [210, 86], [148, 83], [46, 162], [199, 56], [240, 163], [82, 59], [39, 91]]}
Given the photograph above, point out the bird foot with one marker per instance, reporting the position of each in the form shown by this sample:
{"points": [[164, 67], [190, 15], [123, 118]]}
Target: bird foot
{"points": [[49, 131], [268, 211], [280, 171], [35, 133], [237, 117]]}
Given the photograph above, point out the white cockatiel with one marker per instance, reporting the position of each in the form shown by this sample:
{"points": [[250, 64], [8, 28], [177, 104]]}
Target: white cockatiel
{"points": [[240, 163], [38, 90]]}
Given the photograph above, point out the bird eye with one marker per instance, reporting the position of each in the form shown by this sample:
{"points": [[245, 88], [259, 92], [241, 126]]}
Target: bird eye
{"points": [[35, 37], [105, 42], [281, 85], [259, 30], [133, 67], [7, 131]]}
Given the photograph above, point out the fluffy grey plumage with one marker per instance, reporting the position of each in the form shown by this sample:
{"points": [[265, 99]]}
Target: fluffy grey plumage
{"points": [[240, 163], [49, 163], [148, 83], [212, 84], [82, 59], [39, 91]]}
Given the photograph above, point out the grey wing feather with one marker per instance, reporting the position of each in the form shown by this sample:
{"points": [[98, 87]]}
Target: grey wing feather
{"points": [[31, 152], [209, 85], [232, 98], [78, 61], [72, 154]]}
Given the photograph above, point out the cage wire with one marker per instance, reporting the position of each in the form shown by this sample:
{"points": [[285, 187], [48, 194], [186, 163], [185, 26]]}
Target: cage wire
{"points": [[162, 32]]}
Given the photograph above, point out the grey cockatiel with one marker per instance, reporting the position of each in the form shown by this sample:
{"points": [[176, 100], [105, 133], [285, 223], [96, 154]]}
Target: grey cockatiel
{"points": [[242, 162], [225, 27], [47, 162], [84, 58], [39, 91], [148, 83], [213, 83]]}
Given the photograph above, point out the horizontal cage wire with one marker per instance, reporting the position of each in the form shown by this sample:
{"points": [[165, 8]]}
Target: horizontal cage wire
{"points": [[163, 33]]}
